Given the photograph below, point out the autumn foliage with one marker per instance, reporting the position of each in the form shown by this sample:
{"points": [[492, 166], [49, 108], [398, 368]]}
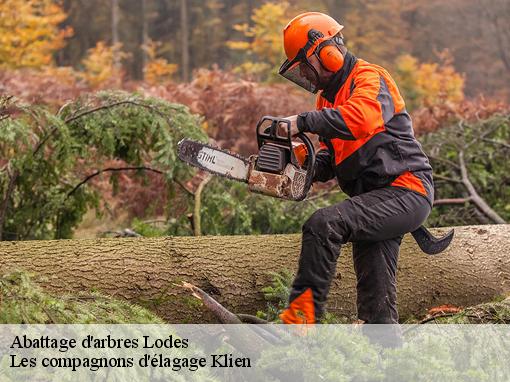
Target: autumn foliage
{"points": [[232, 107], [30, 32], [429, 84], [157, 70], [264, 46], [433, 117]]}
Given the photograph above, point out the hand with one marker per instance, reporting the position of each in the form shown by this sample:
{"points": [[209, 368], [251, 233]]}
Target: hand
{"points": [[293, 126]]}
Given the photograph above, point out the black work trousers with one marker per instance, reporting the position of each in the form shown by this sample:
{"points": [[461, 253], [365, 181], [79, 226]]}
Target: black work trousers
{"points": [[375, 223]]}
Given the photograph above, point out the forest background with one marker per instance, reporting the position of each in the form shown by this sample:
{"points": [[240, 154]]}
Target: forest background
{"points": [[92, 96]]}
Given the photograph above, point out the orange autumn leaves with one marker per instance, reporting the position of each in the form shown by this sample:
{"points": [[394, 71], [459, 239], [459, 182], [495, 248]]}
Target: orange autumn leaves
{"points": [[30, 32]]}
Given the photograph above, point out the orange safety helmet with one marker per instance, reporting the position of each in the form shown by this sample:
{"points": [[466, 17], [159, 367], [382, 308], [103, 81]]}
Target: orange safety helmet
{"points": [[311, 33]]}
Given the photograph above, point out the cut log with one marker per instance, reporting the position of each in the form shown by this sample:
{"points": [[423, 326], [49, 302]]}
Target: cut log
{"points": [[234, 269]]}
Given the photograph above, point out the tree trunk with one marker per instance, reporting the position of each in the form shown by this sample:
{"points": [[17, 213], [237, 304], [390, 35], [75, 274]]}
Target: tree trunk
{"points": [[184, 40], [234, 269], [145, 33], [115, 30]]}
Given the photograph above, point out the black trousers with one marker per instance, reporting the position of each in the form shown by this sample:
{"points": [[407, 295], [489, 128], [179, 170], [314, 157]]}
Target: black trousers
{"points": [[375, 222]]}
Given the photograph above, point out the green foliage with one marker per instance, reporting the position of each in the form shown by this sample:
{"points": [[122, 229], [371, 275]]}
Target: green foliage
{"points": [[46, 158], [277, 295], [352, 353], [147, 229], [485, 145], [24, 302], [229, 208]]}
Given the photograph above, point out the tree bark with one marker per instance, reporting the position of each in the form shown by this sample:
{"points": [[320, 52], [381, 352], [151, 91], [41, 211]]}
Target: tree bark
{"points": [[185, 41], [145, 35], [115, 29], [234, 269]]}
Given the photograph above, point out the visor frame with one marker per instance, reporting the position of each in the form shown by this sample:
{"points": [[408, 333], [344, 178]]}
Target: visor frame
{"points": [[288, 67]]}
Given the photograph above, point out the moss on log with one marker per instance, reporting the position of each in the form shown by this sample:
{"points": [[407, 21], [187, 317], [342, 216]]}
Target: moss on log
{"points": [[234, 269]]}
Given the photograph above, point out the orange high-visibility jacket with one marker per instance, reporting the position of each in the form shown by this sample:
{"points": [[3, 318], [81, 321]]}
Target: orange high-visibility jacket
{"points": [[366, 134]]}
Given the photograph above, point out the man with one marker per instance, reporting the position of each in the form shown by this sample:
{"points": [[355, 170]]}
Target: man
{"points": [[367, 143]]}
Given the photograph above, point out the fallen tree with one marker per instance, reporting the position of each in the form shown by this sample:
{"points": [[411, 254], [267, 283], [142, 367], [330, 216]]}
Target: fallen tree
{"points": [[234, 269]]}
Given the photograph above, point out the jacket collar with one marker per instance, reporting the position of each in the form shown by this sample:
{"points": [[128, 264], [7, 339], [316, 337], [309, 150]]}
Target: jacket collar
{"points": [[339, 78]]}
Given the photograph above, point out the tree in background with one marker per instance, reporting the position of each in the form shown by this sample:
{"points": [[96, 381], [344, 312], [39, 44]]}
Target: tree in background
{"points": [[379, 31], [374, 30], [101, 65], [428, 84], [474, 31], [264, 50], [157, 70], [30, 32]]}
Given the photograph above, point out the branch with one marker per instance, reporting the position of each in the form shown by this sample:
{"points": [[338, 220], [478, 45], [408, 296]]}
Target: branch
{"points": [[186, 189], [433, 318], [250, 319], [453, 164], [93, 110], [110, 169], [224, 315], [497, 142], [482, 136], [73, 118], [474, 196], [197, 226], [442, 202], [5, 201], [437, 176]]}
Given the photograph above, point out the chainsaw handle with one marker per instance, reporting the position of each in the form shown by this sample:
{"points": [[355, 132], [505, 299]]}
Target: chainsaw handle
{"points": [[271, 132]]}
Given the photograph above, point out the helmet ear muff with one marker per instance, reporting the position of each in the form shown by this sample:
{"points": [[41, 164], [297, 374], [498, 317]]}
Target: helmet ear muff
{"points": [[330, 55]]}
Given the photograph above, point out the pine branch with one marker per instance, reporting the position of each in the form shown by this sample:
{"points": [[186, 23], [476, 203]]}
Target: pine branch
{"points": [[110, 169]]}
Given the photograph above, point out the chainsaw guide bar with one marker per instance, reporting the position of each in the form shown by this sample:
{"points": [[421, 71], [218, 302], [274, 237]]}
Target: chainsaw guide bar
{"points": [[214, 160]]}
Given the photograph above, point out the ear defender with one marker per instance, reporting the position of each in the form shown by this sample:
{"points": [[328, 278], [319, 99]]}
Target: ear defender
{"points": [[330, 56]]}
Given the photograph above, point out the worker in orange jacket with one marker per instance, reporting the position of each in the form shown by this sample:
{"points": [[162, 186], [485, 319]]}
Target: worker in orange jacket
{"points": [[367, 143]]}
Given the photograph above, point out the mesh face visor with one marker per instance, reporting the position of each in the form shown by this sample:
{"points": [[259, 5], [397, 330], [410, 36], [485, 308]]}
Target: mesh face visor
{"points": [[301, 72]]}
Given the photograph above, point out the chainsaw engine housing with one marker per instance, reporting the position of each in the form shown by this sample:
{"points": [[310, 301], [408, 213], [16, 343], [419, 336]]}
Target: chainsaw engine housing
{"points": [[290, 184], [272, 158]]}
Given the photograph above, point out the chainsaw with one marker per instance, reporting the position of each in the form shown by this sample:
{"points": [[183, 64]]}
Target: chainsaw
{"points": [[282, 168]]}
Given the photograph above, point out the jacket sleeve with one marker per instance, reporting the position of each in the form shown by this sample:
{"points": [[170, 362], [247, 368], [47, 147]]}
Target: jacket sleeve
{"points": [[369, 107], [323, 169]]}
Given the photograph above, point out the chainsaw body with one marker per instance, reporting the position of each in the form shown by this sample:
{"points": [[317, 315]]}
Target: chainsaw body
{"points": [[282, 168]]}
